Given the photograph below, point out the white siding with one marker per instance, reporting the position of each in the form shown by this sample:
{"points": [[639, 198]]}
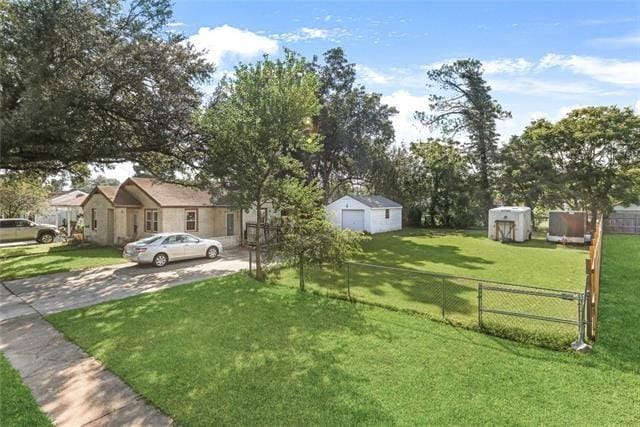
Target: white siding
{"points": [[380, 224], [521, 218], [374, 218], [101, 205]]}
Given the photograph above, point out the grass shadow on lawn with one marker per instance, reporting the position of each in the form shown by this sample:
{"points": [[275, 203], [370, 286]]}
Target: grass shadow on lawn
{"points": [[169, 338]]}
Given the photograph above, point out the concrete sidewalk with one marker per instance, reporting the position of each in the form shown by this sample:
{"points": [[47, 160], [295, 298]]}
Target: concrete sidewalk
{"points": [[72, 387]]}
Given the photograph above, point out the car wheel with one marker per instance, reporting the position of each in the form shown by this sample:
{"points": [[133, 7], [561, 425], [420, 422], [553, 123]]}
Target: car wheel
{"points": [[212, 252], [160, 260], [46, 238]]}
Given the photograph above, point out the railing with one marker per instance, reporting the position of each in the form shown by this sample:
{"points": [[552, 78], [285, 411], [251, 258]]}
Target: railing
{"points": [[265, 232], [592, 287]]}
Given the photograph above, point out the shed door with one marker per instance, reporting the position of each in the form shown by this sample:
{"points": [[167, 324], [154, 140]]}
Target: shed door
{"points": [[353, 220]]}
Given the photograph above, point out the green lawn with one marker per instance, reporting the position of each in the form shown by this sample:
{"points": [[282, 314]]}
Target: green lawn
{"points": [[234, 351], [469, 254], [17, 406], [37, 260]]}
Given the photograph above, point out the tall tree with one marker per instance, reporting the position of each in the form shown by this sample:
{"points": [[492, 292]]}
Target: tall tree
{"points": [[94, 81], [527, 174], [441, 176], [354, 125], [596, 151], [256, 124], [465, 104], [21, 196]]}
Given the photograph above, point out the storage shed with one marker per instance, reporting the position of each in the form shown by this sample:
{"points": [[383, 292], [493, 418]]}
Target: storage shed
{"points": [[510, 224], [373, 214], [568, 227]]}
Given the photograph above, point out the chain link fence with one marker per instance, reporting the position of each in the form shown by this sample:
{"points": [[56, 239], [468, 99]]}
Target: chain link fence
{"points": [[547, 317]]}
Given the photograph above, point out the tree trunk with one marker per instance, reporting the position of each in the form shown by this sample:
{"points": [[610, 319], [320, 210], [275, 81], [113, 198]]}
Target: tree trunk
{"points": [[259, 273], [301, 274]]}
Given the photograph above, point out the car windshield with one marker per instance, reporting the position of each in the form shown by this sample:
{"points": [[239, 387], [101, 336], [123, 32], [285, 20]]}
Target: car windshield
{"points": [[149, 240]]}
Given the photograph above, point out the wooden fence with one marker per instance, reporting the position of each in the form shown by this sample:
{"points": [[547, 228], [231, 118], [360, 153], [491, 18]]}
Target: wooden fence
{"points": [[593, 279]]}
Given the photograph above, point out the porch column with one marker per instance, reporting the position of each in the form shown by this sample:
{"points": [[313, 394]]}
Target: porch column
{"points": [[68, 222]]}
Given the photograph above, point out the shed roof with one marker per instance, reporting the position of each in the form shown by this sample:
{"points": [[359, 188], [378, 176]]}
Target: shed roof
{"points": [[376, 201]]}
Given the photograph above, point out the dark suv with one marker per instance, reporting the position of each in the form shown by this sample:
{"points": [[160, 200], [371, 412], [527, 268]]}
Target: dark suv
{"points": [[20, 229]]}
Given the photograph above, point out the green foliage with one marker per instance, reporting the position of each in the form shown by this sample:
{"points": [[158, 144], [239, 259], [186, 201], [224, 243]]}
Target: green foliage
{"points": [[596, 152], [21, 196], [92, 183], [354, 126], [94, 81], [528, 176], [308, 238], [17, 405], [467, 105], [441, 177], [256, 125]]}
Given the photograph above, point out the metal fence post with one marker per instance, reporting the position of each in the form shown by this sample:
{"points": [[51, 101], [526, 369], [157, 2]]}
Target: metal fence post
{"points": [[443, 297], [579, 344], [480, 304], [349, 281]]}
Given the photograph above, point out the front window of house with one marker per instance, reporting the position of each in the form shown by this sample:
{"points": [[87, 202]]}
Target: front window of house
{"points": [[151, 220], [386, 213], [191, 220]]}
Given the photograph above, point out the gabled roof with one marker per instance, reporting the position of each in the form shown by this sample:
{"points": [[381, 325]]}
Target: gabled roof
{"points": [[68, 199], [376, 201], [117, 195], [171, 195]]}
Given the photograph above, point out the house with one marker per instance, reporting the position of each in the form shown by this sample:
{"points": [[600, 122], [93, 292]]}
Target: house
{"points": [[373, 214], [140, 207], [623, 219], [63, 209]]}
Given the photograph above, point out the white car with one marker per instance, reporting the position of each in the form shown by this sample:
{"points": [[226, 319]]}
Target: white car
{"points": [[162, 248]]}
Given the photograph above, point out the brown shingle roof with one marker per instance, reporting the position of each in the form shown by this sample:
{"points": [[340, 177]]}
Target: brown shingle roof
{"points": [[117, 195], [166, 194]]}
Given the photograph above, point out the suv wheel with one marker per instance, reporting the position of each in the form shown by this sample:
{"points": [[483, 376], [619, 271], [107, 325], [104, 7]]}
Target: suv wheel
{"points": [[160, 260], [46, 237]]}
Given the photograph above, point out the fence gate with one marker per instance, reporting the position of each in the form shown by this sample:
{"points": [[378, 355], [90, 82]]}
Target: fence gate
{"points": [[544, 312]]}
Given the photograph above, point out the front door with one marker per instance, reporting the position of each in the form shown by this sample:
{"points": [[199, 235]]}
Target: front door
{"points": [[24, 230], [193, 247], [110, 227], [7, 230], [173, 247]]}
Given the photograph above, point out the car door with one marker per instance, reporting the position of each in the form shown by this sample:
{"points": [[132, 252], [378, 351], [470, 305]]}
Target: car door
{"points": [[7, 230], [193, 247], [173, 247], [25, 230]]}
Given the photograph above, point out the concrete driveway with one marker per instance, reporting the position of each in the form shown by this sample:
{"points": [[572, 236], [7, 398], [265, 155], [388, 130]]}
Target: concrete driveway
{"points": [[52, 293]]}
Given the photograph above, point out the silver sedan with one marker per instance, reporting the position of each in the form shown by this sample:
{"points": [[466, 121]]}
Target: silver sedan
{"points": [[162, 248]]}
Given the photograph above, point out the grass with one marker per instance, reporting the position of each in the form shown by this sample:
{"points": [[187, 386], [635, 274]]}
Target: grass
{"points": [[35, 249], [37, 260], [468, 254], [17, 405], [235, 351]]}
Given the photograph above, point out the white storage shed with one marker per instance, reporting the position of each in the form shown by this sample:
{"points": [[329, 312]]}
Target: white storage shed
{"points": [[510, 224], [373, 214]]}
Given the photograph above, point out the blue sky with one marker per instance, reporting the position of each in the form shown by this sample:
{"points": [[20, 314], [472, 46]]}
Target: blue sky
{"points": [[541, 58]]}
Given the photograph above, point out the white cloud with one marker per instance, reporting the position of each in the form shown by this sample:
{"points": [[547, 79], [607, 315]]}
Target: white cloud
{"points": [[370, 76], [226, 40], [602, 69], [407, 128], [628, 40], [533, 86], [306, 33], [507, 66]]}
